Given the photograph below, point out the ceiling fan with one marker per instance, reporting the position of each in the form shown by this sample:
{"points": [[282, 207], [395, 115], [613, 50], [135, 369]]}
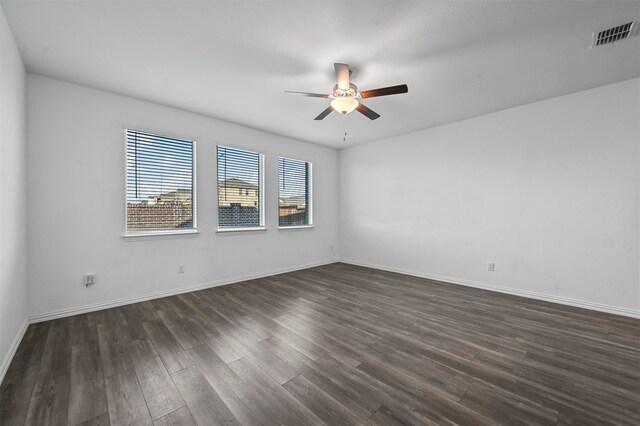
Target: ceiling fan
{"points": [[345, 96]]}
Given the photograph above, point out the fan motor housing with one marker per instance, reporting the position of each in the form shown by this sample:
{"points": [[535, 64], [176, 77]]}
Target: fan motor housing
{"points": [[351, 92]]}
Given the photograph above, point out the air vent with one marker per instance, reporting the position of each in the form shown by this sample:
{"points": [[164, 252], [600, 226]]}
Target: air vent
{"points": [[611, 35]]}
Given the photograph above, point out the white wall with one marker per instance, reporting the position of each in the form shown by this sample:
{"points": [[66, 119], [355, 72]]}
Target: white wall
{"points": [[548, 191], [76, 202], [13, 224]]}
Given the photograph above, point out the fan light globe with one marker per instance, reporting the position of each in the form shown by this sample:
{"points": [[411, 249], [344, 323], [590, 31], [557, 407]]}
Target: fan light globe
{"points": [[344, 105]]}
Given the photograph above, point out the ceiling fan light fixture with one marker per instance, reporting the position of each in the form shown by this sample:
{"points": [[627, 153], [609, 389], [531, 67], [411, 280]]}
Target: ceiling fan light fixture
{"points": [[344, 105], [346, 97]]}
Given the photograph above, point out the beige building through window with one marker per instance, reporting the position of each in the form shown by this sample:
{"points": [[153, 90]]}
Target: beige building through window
{"points": [[237, 192]]}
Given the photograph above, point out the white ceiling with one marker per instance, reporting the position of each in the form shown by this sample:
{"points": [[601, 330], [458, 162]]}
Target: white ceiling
{"points": [[233, 60]]}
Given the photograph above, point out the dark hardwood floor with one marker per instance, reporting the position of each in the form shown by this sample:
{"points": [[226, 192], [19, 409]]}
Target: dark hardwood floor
{"points": [[336, 344]]}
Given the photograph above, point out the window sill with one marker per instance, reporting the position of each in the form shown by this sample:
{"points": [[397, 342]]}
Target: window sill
{"points": [[286, 228], [159, 234], [232, 230]]}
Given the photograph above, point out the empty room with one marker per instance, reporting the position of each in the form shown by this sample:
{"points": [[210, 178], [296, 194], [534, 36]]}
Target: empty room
{"points": [[319, 212]]}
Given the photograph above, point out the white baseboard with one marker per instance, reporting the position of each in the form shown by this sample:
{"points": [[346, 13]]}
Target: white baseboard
{"points": [[516, 292], [13, 348], [61, 313]]}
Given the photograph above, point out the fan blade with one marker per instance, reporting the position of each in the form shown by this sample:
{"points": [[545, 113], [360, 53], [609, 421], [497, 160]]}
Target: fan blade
{"points": [[311, 95], [372, 115], [393, 90], [342, 75], [324, 113]]}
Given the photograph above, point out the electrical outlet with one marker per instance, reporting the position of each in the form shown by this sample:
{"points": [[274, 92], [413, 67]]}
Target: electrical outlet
{"points": [[89, 279], [181, 268], [491, 267]]}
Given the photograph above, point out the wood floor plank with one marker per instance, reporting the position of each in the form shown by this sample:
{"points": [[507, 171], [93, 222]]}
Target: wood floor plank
{"points": [[172, 355], [201, 308], [270, 363], [252, 327], [322, 404], [158, 389], [56, 356], [223, 347], [87, 400], [131, 323], [383, 417], [181, 331], [181, 417], [49, 403], [401, 415], [84, 330], [505, 406], [87, 397], [126, 402], [141, 349], [294, 340], [15, 394], [298, 361], [205, 405], [101, 420], [308, 328], [113, 352], [31, 347], [148, 311], [441, 408], [336, 344], [286, 409], [416, 373], [233, 392]]}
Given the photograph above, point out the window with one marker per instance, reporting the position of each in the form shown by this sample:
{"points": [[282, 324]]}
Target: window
{"points": [[240, 189], [294, 184], [160, 184]]}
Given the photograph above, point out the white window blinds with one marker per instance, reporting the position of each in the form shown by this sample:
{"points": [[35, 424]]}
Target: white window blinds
{"points": [[240, 188], [294, 185], [160, 183]]}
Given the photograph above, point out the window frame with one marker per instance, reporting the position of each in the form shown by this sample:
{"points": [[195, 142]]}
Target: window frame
{"points": [[309, 190], [261, 192], [161, 232]]}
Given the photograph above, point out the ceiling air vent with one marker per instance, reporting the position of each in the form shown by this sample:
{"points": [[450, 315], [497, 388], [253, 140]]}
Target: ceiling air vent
{"points": [[611, 35]]}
